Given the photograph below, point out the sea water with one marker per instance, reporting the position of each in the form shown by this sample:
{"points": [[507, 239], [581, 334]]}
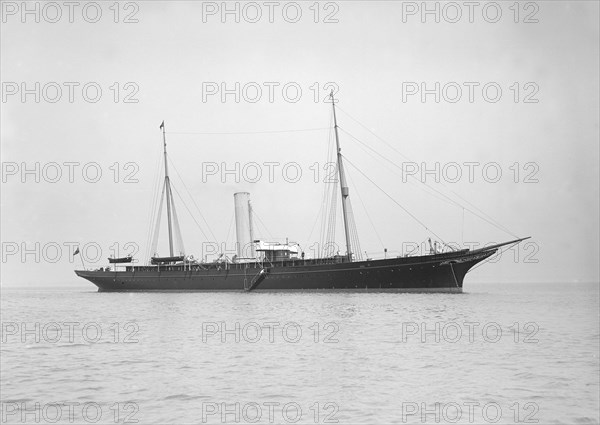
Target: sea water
{"points": [[505, 353]]}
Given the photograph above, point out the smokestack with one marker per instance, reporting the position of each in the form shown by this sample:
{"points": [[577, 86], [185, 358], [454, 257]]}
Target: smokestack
{"points": [[243, 226]]}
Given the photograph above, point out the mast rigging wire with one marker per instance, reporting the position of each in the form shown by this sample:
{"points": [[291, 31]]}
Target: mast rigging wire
{"points": [[450, 200], [355, 190], [178, 237], [191, 215], [193, 201], [157, 224], [490, 219], [246, 132], [394, 201], [152, 210]]}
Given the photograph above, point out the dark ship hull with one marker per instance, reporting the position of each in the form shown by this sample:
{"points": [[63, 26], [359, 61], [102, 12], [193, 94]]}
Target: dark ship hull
{"points": [[431, 273]]}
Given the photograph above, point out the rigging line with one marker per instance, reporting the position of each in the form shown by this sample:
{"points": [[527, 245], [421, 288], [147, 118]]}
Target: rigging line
{"points": [[370, 131], [262, 232], [441, 198], [191, 215], [324, 219], [247, 132], [192, 198], [353, 229], [323, 214], [492, 256], [449, 200], [332, 219], [322, 196], [328, 210], [418, 248], [354, 188], [229, 230], [354, 233], [178, 237], [497, 224], [462, 231], [334, 215], [413, 250], [154, 246], [487, 219], [155, 208], [400, 168], [325, 205], [263, 224], [153, 204], [330, 241], [314, 225], [393, 200]]}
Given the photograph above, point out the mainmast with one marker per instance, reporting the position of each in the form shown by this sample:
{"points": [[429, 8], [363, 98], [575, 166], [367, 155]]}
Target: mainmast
{"points": [[343, 184], [168, 191]]}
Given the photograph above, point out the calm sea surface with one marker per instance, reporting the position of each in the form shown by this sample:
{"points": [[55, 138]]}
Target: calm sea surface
{"points": [[497, 354]]}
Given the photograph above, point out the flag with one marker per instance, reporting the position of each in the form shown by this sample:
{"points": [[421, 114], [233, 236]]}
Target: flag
{"points": [[162, 125], [76, 252]]}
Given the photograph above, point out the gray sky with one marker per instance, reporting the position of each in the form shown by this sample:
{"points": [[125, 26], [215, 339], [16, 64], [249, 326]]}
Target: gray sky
{"points": [[375, 55]]}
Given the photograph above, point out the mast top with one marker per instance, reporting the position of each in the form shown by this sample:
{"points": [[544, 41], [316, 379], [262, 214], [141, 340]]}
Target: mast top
{"points": [[162, 127], [167, 190], [331, 97]]}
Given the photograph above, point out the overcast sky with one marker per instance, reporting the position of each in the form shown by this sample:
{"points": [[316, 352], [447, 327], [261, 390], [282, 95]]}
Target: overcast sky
{"points": [[540, 130]]}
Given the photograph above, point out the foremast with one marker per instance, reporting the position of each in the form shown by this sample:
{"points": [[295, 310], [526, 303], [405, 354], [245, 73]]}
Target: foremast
{"points": [[343, 185], [168, 190]]}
